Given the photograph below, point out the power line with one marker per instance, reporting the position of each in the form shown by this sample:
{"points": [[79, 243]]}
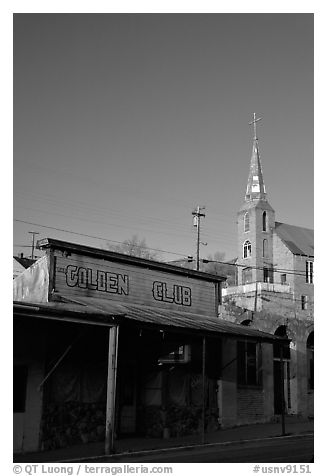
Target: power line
{"points": [[84, 205], [288, 271], [222, 236], [178, 201], [271, 298], [22, 246], [92, 236], [116, 225], [160, 250]]}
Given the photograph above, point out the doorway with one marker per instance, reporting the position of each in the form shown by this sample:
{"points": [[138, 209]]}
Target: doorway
{"points": [[127, 396], [282, 388]]}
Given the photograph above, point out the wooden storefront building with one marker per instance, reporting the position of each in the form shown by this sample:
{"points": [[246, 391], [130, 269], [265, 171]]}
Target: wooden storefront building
{"points": [[107, 345]]}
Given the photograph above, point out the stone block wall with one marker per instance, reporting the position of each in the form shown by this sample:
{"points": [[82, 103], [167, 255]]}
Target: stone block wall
{"points": [[283, 260]]}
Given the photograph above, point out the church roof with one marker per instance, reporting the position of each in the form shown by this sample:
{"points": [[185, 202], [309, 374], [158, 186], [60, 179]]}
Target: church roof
{"points": [[299, 240]]}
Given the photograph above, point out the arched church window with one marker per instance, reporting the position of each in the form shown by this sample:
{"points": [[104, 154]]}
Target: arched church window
{"points": [[246, 222], [264, 248], [247, 249], [264, 221]]}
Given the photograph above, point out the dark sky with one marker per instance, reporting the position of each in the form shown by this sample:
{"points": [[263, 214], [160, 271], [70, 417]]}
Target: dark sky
{"points": [[124, 123]]}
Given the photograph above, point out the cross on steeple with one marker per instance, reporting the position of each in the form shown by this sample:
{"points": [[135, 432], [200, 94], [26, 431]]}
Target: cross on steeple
{"points": [[254, 122]]}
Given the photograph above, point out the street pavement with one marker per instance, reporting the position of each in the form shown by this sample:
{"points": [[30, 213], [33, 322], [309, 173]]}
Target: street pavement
{"points": [[291, 449], [135, 447]]}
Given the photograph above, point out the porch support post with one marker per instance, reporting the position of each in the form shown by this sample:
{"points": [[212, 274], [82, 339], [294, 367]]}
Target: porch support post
{"points": [[111, 389], [203, 388]]}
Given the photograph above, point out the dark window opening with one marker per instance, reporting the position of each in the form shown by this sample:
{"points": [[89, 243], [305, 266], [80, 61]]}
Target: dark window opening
{"points": [[264, 221], [265, 275], [246, 322], [278, 346], [247, 363], [304, 302], [19, 388], [268, 275], [310, 361], [283, 278]]}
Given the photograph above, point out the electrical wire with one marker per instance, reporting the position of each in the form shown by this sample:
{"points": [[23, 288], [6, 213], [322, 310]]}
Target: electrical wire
{"points": [[163, 251], [287, 271], [92, 236], [138, 193], [208, 232], [88, 220], [183, 233]]}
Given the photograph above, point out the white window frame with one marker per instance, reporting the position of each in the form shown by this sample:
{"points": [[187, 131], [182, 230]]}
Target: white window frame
{"points": [[247, 249], [304, 302], [309, 272]]}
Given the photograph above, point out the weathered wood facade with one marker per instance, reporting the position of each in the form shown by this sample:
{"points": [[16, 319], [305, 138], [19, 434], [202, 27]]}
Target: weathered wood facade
{"points": [[124, 345]]}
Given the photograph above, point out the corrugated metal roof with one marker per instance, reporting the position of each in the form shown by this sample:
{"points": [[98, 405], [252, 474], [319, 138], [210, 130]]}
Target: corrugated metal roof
{"points": [[105, 310], [70, 311], [167, 318], [299, 240]]}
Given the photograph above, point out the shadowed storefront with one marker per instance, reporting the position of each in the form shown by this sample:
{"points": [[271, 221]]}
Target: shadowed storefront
{"points": [[107, 346]]}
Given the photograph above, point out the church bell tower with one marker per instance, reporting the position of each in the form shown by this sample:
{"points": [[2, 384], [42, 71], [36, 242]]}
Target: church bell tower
{"points": [[255, 223]]}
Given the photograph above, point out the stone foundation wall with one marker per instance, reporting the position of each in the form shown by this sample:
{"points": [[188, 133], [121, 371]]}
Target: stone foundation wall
{"points": [[176, 420], [70, 423]]}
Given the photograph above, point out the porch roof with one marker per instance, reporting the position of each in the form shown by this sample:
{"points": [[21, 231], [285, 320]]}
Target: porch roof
{"points": [[106, 312]]}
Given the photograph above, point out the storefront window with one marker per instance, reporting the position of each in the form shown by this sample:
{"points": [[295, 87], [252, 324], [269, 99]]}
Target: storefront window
{"points": [[247, 363]]}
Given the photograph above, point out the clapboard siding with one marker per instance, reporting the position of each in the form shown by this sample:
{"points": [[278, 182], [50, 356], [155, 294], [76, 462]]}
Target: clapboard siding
{"points": [[78, 275]]}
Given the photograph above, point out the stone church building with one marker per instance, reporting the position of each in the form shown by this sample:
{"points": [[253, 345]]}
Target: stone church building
{"points": [[275, 288]]}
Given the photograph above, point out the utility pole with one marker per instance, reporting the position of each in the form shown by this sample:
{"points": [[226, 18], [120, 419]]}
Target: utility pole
{"points": [[197, 223], [33, 241]]}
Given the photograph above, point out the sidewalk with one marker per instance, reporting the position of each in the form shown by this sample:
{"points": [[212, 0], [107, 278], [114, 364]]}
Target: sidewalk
{"points": [[293, 426]]}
